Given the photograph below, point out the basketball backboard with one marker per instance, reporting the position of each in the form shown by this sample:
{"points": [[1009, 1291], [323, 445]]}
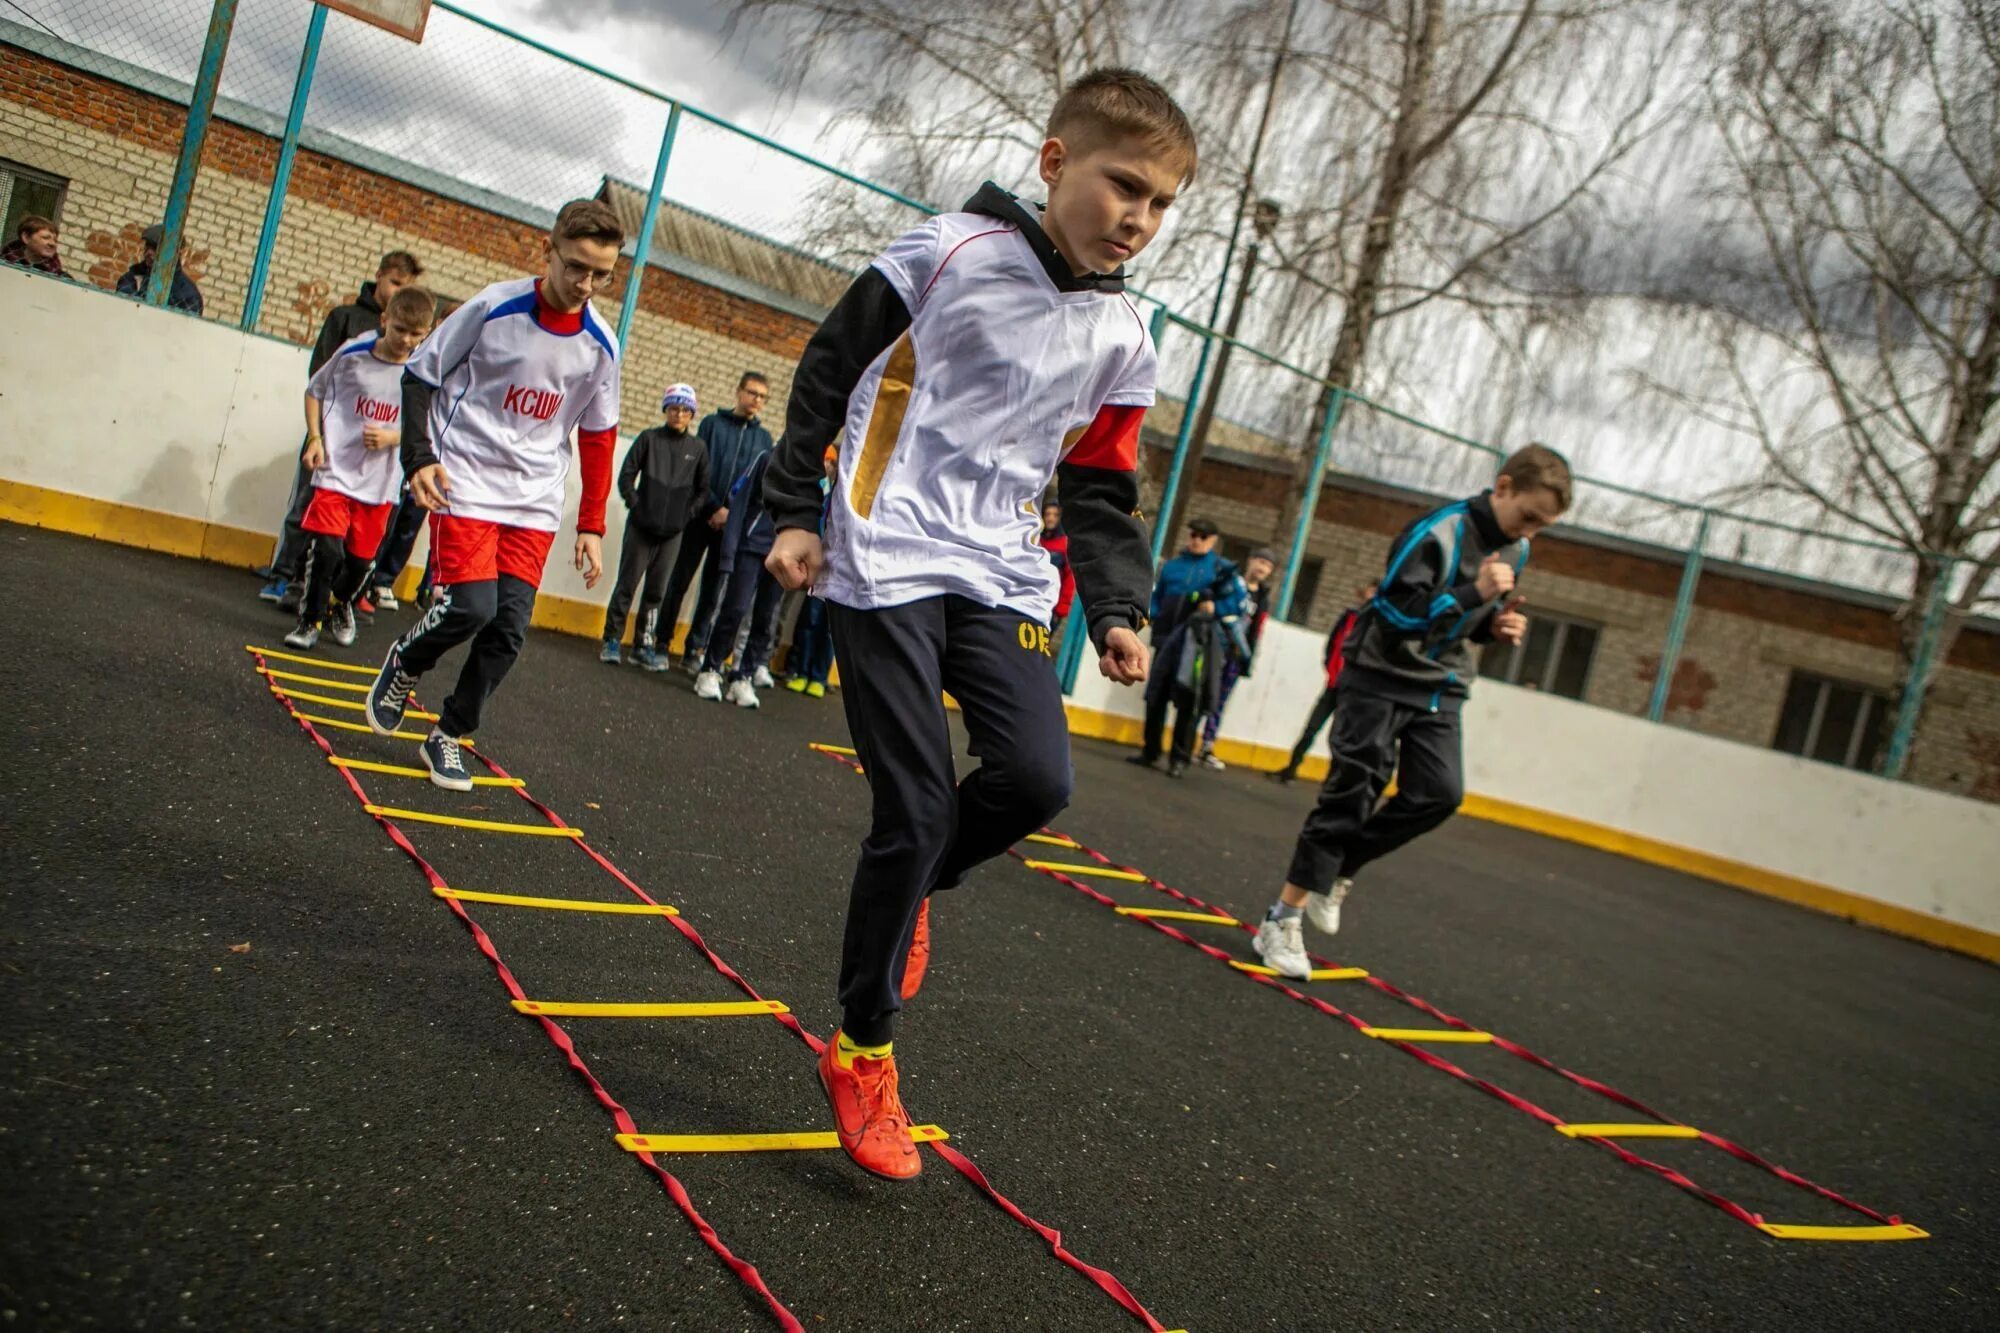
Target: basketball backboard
{"points": [[405, 18]]}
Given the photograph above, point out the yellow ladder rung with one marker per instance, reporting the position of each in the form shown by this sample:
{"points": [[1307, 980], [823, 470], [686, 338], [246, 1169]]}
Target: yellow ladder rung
{"points": [[1164, 914], [404, 771], [1644, 1131], [1426, 1034], [1101, 872], [347, 705], [818, 1138], [484, 825], [824, 748], [311, 661], [557, 904], [352, 687], [700, 1009], [1318, 973], [1902, 1231], [366, 730], [1049, 841]]}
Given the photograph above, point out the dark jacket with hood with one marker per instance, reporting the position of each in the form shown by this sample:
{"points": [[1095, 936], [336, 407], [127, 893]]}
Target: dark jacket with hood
{"points": [[664, 482], [749, 530], [345, 322], [1411, 642], [1108, 550]]}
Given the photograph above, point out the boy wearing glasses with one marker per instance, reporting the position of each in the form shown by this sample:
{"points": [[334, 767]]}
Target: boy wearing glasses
{"points": [[489, 405]]}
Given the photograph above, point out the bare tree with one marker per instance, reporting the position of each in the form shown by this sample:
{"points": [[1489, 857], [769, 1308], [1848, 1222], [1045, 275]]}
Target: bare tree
{"points": [[1863, 150]]}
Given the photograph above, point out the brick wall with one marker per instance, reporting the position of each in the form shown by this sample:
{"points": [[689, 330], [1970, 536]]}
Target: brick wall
{"points": [[117, 148]]}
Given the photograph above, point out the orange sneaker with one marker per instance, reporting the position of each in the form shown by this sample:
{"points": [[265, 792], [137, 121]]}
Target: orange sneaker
{"points": [[868, 1116], [920, 952]]}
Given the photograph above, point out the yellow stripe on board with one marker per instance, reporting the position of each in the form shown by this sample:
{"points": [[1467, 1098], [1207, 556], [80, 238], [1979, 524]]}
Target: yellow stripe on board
{"points": [[310, 661], [1901, 1231], [405, 771], [366, 730], [1426, 1034], [1163, 914], [824, 748], [347, 705], [1049, 841], [1318, 973], [352, 687], [708, 1009], [816, 1138], [483, 825], [556, 904], [1100, 872], [1645, 1131]]}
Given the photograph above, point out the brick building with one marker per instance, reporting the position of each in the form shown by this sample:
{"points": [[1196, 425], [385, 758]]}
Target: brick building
{"points": [[1768, 659]]}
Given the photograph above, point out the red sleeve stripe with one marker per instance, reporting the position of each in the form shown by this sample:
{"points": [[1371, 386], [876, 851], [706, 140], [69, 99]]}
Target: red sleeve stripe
{"points": [[1111, 441]]}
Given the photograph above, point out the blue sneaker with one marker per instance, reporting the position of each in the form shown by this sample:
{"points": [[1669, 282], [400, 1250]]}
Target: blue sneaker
{"points": [[274, 591], [609, 652], [446, 762], [650, 659], [389, 695]]}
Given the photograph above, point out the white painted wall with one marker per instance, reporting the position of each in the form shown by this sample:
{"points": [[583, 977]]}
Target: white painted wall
{"points": [[103, 397]]}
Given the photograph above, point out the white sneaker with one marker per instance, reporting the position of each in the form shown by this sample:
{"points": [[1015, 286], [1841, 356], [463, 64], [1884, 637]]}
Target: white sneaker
{"points": [[340, 624], [763, 680], [742, 693], [1323, 909], [385, 600], [1282, 946], [708, 685], [1208, 760]]}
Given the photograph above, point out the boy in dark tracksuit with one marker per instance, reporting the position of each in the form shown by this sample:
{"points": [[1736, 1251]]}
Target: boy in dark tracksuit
{"points": [[982, 354], [664, 484], [751, 591], [1408, 671]]}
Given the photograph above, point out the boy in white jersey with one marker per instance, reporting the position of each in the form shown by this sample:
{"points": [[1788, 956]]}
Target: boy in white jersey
{"points": [[489, 404], [353, 405], [982, 354]]}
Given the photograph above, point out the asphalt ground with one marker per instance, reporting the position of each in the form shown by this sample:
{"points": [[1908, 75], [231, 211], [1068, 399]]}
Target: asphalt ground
{"points": [[346, 1126]]}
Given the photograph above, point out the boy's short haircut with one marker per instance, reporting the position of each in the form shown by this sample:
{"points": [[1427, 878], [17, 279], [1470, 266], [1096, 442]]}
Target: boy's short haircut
{"points": [[754, 377], [413, 305], [1106, 105], [588, 220], [403, 262], [31, 223], [1538, 467]]}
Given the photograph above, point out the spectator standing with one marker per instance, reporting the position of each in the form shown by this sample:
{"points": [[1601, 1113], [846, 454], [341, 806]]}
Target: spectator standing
{"points": [[1198, 581], [736, 439], [1056, 542], [664, 483], [1241, 644]]}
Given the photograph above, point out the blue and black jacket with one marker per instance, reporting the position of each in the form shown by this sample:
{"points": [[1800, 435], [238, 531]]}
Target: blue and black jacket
{"points": [[750, 530], [734, 443], [1411, 644]]}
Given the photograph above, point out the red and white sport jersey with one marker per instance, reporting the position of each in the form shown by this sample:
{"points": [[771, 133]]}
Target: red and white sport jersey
{"points": [[955, 429], [513, 381], [356, 389]]}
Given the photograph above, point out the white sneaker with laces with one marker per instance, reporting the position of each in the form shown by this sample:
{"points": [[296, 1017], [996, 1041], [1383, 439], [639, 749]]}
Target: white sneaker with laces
{"points": [[742, 693], [340, 624], [1282, 946], [708, 685], [1209, 761], [763, 680], [1323, 909]]}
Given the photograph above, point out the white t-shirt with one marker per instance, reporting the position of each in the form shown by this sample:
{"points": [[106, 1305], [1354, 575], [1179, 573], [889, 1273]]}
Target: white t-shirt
{"points": [[356, 389], [1003, 370], [510, 394]]}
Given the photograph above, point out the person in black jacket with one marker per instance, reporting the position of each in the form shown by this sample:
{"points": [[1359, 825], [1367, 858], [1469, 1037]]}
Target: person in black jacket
{"points": [[1450, 583], [398, 269], [182, 294], [736, 438], [664, 484]]}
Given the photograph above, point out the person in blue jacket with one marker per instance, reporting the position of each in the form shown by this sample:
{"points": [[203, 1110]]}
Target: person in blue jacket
{"points": [[1196, 595], [751, 591]]}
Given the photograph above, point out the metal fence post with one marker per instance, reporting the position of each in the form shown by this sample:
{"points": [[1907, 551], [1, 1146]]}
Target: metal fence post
{"points": [[643, 248], [201, 108], [1670, 655], [1166, 509], [1921, 666], [288, 147], [1321, 451]]}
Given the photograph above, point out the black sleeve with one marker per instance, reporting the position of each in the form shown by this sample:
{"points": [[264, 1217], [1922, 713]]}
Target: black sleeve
{"points": [[328, 343], [869, 317], [1108, 552], [699, 505], [1417, 597], [628, 471], [416, 424]]}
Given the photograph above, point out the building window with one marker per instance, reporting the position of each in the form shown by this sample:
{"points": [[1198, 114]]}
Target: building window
{"points": [[1555, 658], [1833, 721], [23, 190]]}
